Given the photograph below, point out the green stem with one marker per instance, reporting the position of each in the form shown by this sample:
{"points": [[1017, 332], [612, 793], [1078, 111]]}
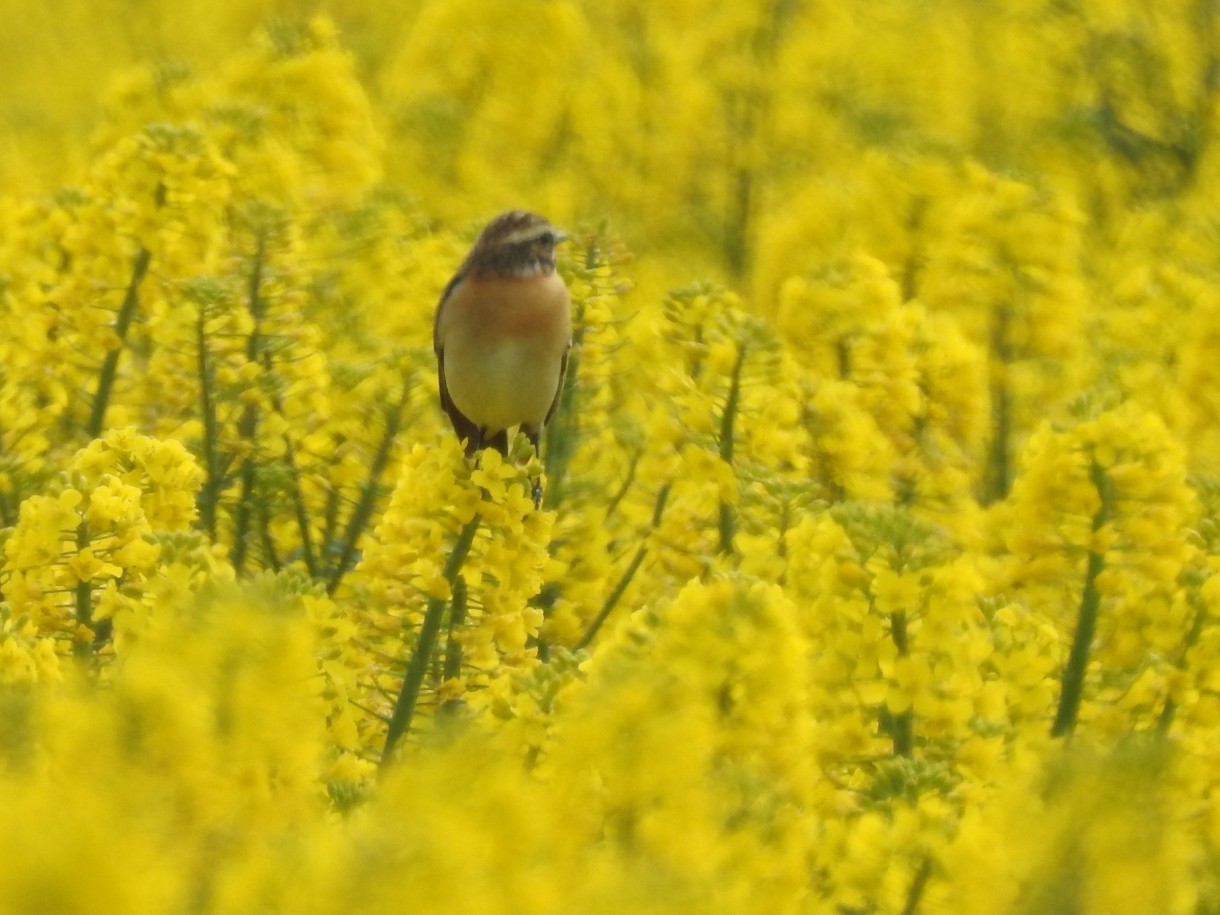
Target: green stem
{"points": [[825, 471], [363, 511], [110, 365], [1086, 619], [83, 599], [298, 497], [245, 504], [453, 644], [727, 519], [615, 499], [561, 433], [269, 550], [331, 514], [1000, 466], [210, 493], [6, 504], [843, 355], [613, 598], [918, 884], [408, 696], [914, 227], [1170, 710], [625, 579], [302, 511], [248, 427], [902, 727], [7, 513], [726, 526]]}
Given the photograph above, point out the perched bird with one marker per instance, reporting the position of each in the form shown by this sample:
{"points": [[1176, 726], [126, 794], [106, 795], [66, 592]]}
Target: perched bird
{"points": [[502, 333]]}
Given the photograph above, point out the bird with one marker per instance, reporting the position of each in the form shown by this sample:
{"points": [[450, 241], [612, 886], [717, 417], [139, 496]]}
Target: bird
{"points": [[502, 334]]}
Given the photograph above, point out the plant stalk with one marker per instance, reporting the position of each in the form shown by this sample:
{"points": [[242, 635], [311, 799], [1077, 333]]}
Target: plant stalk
{"points": [[210, 493], [248, 427], [363, 511], [110, 365], [625, 579], [1086, 620], [408, 695], [727, 516]]}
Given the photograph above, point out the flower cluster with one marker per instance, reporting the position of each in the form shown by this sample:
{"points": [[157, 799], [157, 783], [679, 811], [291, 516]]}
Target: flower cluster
{"points": [[870, 563], [74, 547]]}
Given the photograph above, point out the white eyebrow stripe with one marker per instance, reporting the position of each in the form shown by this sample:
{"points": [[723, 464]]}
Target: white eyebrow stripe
{"points": [[526, 233]]}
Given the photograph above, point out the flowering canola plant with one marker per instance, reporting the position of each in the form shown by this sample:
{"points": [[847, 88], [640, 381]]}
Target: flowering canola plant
{"points": [[878, 568]]}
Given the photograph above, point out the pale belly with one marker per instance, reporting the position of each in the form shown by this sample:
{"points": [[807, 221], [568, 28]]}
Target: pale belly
{"points": [[504, 344], [504, 384]]}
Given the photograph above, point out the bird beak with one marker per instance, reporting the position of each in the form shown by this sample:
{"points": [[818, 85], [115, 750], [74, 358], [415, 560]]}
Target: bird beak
{"points": [[560, 235]]}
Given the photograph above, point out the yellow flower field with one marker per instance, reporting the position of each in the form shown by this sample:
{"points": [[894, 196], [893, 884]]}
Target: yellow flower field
{"points": [[878, 569]]}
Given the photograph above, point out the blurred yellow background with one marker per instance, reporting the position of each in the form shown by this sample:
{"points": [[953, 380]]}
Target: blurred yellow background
{"points": [[751, 140], [879, 569]]}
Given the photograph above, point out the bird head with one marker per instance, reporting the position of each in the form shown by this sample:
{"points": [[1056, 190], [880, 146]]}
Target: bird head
{"points": [[516, 243]]}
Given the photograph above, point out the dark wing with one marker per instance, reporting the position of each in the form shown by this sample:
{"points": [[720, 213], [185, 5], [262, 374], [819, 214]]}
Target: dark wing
{"points": [[436, 319], [464, 428]]}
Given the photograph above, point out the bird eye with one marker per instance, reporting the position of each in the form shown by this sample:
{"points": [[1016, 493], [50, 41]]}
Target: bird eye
{"points": [[547, 237]]}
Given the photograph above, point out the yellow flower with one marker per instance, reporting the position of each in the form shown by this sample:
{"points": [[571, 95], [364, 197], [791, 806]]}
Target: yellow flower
{"points": [[86, 566]]}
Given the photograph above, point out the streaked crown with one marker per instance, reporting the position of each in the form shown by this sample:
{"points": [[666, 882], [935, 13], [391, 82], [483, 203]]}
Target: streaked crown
{"points": [[516, 243]]}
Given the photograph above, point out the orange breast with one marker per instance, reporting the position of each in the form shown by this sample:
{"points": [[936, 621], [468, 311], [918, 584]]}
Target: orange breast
{"points": [[534, 306], [504, 342]]}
